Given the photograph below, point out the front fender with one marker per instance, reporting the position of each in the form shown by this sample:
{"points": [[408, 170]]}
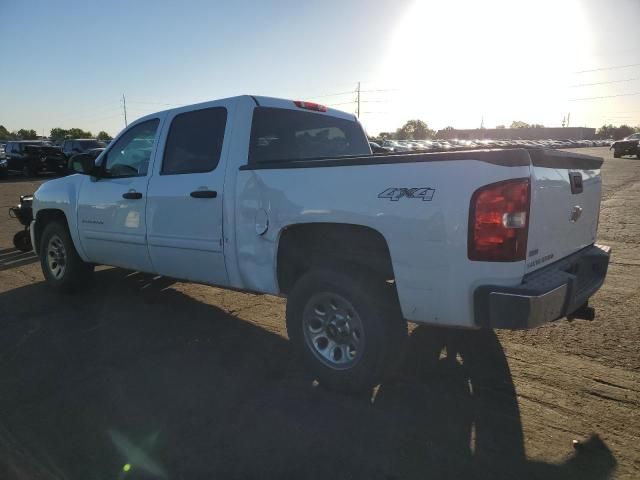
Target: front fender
{"points": [[60, 195]]}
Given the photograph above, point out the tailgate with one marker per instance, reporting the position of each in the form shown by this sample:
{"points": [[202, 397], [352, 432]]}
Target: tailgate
{"points": [[565, 205]]}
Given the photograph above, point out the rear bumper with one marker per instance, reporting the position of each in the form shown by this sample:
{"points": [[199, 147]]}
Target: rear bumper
{"points": [[545, 295]]}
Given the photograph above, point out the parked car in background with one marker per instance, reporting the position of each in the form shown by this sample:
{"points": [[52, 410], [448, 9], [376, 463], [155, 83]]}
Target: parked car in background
{"points": [[32, 157], [627, 146], [4, 171], [395, 146], [71, 147], [377, 148]]}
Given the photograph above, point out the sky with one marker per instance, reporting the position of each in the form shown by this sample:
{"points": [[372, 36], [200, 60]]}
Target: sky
{"points": [[463, 63]]}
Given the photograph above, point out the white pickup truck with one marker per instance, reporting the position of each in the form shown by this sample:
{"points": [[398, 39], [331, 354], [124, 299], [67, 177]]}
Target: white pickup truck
{"points": [[284, 197]]}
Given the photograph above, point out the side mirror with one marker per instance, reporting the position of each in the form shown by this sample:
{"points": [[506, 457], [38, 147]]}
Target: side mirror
{"points": [[84, 164]]}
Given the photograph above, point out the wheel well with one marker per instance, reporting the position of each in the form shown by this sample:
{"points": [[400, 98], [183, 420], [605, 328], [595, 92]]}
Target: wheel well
{"points": [[42, 219], [304, 246]]}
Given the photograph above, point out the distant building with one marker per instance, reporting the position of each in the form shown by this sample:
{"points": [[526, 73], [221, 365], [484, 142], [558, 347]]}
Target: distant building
{"points": [[568, 133]]}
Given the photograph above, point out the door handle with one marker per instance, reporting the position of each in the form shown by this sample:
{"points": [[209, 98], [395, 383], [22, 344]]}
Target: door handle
{"points": [[132, 195], [204, 194]]}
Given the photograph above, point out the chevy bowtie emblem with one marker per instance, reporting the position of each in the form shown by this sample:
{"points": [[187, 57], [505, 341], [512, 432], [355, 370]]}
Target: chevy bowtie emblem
{"points": [[575, 213]]}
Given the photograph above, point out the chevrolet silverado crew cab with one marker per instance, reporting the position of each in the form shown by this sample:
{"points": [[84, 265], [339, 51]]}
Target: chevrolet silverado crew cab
{"points": [[285, 198]]}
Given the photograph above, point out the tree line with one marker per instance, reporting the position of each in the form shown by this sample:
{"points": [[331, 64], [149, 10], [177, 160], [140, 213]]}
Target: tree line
{"points": [[609, 131], [55, 134]]}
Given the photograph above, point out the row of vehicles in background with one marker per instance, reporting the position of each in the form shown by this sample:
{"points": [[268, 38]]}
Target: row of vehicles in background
{"points": [[387, 146], [32, 157]]}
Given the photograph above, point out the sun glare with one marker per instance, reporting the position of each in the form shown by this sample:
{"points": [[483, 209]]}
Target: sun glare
{"points": [[463, 62]]}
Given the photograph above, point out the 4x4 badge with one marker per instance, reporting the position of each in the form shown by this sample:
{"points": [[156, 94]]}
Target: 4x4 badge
{"points": [[422, 193]]}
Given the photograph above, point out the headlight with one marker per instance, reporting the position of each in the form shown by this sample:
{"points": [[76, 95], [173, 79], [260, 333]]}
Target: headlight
{"points": [[3, 162]]}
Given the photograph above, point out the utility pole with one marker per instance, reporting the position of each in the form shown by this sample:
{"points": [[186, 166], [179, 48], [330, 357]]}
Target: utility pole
{"points": [[568, 118], [124, 105], [358, 92]]}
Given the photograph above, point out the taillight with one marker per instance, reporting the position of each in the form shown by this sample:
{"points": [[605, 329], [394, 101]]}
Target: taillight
{"points": [[499, 222], [310, 106]]}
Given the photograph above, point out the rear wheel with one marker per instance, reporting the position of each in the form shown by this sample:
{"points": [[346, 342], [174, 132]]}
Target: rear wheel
{"points": [[347, 326], [62, 267]]}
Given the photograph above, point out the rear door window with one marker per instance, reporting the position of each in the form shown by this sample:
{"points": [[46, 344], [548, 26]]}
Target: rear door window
{"points": [[194, 142], [283, 134]]}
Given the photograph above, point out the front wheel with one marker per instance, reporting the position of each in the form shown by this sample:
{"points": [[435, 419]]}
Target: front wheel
{"points": [[347, 326], [62, 267]]}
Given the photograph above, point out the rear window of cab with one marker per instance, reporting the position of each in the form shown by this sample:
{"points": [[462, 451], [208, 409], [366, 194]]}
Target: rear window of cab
{"points": [[279, 134]]}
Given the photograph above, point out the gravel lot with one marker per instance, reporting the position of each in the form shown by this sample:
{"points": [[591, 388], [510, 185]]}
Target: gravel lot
{"points": [[185, 381]]}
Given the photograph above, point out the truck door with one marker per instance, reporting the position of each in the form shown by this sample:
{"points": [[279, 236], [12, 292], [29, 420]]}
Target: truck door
{"points": [[111, 209], [184, 211]]}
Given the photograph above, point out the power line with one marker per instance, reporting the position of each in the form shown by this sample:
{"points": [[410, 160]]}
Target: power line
{"points": [[350, 91], [332, 94], [604, 96], [341, 103], [603, 83], [157, 103], [382, 90], [608, 68]]}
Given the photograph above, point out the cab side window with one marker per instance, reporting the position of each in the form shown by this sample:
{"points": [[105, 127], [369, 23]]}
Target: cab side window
{"points": [[131, 154], [194, 143]]}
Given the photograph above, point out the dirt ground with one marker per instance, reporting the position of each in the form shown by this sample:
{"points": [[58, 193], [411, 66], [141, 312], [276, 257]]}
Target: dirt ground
{"points": [[143, 377]]}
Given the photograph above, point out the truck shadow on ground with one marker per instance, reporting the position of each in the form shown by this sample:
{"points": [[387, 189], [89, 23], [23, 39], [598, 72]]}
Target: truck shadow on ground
{"points": [[135, 379]]}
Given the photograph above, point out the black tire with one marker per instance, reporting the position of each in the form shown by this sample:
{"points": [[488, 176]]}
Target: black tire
{"points": [[74, 273], [374, 305], [4, 174], [22, 241], [616, 154]]}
